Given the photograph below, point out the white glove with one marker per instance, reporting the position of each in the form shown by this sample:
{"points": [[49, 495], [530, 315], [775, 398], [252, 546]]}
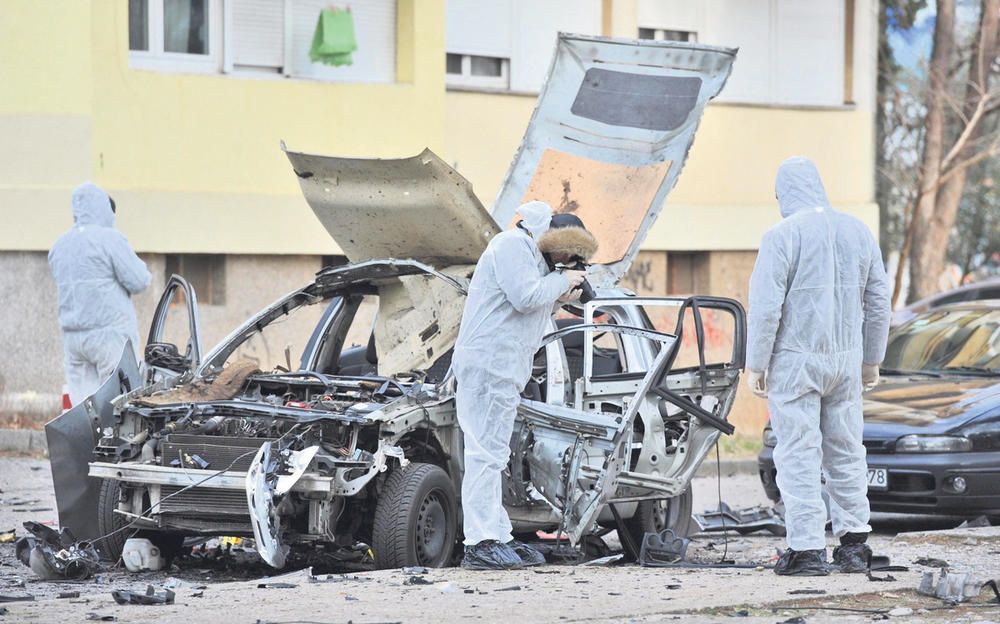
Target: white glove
{"points": [[757, 380], [869, 376], [575, 278]]}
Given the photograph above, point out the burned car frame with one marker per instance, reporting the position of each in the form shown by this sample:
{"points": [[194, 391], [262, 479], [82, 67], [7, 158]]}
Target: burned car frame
{"points": [[358, 446]]}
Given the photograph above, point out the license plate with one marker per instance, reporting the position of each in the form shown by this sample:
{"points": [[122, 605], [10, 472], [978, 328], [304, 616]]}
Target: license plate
{"points": [[878, 479]]}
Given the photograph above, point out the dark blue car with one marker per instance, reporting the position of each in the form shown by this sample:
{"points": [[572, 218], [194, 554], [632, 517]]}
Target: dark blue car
{"points": [[932, 426]]}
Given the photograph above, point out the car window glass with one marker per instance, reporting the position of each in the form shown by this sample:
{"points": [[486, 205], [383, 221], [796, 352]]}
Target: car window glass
{"points": [[176, 323], [953, 339]]}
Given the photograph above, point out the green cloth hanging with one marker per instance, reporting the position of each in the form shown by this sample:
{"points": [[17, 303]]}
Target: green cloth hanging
{"points": [[334, 39]]}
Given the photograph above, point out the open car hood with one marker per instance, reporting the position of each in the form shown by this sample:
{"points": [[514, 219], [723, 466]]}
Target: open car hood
{"points": [[417, 208], [609, 136]]}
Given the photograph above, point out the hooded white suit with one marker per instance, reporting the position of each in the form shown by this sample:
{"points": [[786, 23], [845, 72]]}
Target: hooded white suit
{"points": [[510, 299], [819, 307], [95, 271]]}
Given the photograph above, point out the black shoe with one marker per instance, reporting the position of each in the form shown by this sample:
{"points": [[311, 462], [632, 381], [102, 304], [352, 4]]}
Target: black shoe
{"points": [[852, 557], [529, 555], [802, 563], [491, 555]]}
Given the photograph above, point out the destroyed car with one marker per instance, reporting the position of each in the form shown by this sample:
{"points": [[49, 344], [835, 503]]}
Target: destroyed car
{"points": [[932, 425], [331, 446]]}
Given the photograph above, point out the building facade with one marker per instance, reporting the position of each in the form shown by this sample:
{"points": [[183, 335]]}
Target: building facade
{"points": [[178, 108]]}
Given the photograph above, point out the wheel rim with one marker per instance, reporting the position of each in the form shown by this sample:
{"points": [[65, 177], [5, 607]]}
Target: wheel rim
{"points": [[432, 528]]}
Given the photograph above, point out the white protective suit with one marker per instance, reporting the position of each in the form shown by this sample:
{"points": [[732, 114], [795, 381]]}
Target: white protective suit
{"points": [[95, 271], [819, 307], [510, 299]]}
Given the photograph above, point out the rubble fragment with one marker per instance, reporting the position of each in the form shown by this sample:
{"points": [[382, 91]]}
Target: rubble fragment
{"points": [[151, 597]]}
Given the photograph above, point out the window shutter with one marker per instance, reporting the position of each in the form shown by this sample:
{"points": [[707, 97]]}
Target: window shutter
{"points": [[258, 33], [374, 30], [480, 27]]}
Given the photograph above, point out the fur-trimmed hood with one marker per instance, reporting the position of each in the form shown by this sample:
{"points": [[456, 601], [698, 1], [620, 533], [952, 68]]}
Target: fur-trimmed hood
{"points": [[573, 240]]}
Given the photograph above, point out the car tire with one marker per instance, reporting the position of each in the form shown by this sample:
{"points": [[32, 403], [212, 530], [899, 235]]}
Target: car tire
{"points": [[110, 523], [652, 516], [416, 519]]}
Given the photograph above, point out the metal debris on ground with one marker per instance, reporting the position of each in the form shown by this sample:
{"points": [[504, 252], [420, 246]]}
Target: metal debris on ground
{"points": [[661, 548], [954, 587], [276, 585], [743, 521], [975, 523], [7, 537], [101, 618], [511, 588], [54, 555], [930, 562], [606, 561], [9, 598], [417, 580], [151, 597], [415, 570], [69, 594]]}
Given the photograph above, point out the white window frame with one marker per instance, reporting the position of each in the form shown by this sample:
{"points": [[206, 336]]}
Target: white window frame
{"points": [[659, 34], [158, 60], [466, 79]]}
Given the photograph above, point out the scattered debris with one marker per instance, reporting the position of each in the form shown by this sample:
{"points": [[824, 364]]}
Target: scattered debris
{"points": [[975, 523], [607, 561], [140, 555], [546, 571], [101, 618], [53, 555], [795, 620], [3, 610], [151, 597], [953, 586], [743, 521], [415, 570], [900, 612], [663, 547], [931, 562], [511, 588], [807, 591], [7, 537], [176, 583], [417, 580], [69, 594], [276, 585], [9, 598]]}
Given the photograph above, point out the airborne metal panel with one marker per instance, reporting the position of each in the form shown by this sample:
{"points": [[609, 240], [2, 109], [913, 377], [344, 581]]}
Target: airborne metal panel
{"points": [[417, 208], [72, 437], [609, 136]]}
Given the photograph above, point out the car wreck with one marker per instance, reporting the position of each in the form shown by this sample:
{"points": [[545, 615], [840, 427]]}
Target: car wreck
{"points": [[357, 445]]}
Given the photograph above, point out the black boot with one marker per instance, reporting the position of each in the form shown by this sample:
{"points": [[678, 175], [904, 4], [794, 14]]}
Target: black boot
{"points": [[491, 555], [802, 563], [529, 556], [853, 554]]}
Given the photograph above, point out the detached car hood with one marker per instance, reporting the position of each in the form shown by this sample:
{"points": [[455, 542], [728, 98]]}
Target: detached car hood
{"points": [[609, 136], [929, 406], [417, 208]]}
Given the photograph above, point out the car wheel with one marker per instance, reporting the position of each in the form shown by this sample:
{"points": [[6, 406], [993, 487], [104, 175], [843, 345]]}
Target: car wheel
{"points": [[652, 516], [416, 520], [109, 523]]}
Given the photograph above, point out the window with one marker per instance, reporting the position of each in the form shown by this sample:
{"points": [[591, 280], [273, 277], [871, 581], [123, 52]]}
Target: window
{"points": [[258, 37], [477, 71], [687, 272], [205, 272], [665, 34], [177, 35]]}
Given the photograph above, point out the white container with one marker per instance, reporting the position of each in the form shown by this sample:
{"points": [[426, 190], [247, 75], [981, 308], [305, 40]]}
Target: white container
{"points": [[139, 554]]}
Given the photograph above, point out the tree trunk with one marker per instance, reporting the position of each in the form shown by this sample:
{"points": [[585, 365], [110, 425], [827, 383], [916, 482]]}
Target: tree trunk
{"points": [[949, 196], [924, 262]]}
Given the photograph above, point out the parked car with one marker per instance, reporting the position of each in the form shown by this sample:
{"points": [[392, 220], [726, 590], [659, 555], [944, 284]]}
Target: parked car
{"points": [[328, 446], [978, 291], [932, 426]]}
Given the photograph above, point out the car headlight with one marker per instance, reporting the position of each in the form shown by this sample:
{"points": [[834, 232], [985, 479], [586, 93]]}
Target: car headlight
{"points": [[933, 444], [769, 438]]}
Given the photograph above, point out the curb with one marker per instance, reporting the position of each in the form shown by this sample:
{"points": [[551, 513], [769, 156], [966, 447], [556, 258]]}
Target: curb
{"points": [[728, 467], [23, 441]]}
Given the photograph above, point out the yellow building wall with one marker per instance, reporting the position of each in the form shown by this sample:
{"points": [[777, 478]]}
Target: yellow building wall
{"points": [[182, 149], [728, 177]]}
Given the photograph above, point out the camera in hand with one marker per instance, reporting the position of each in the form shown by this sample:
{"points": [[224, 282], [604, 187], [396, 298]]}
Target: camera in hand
{"points": [[576, 264]]}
